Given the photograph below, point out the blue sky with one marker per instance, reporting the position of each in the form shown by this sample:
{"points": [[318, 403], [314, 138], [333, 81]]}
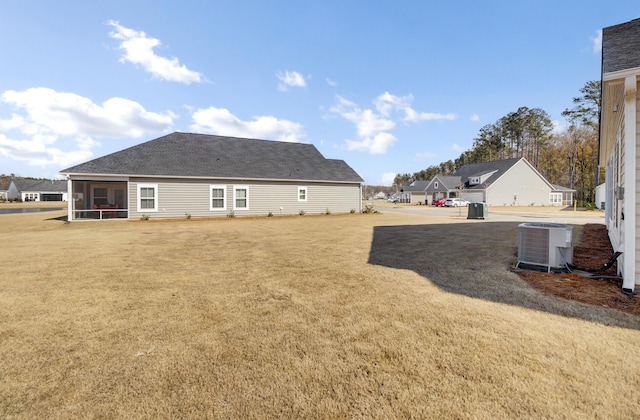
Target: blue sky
{"points": [[388, 86]]}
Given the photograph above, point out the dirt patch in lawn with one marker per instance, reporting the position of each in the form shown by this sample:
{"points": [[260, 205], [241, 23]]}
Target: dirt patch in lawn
{"points": [[593, 252]]}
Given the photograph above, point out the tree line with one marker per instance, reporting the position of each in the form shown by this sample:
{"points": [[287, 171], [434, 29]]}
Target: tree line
{"points": [[568, 159]]}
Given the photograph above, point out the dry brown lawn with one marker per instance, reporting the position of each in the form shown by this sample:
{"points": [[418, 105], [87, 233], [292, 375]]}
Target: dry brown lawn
{"points": [[337, 316]]}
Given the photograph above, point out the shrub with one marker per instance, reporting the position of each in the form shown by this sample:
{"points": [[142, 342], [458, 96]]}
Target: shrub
{"points": [[369, 209], [231, 214], [188, 216], [327, 211], [352, 211], [270, 214], [145, 217], [302, 213]]}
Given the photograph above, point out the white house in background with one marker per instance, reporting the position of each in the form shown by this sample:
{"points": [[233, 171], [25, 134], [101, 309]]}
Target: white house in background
{"points": [[37, 190], [619, 142], [508, 182], [205, 176]]}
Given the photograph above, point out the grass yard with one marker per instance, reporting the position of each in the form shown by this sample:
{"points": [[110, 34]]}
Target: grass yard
{"points": [[382, 315]]}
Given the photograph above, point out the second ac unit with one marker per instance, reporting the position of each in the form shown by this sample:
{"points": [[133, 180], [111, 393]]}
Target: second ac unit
{"points": [[548, 245]]}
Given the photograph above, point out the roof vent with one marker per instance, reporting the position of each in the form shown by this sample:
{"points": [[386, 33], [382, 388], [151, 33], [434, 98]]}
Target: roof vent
{"points": [[547, 245]]}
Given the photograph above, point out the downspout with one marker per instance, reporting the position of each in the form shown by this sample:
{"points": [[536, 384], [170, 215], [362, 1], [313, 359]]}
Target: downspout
{"points": [[629, 192], [600, 118]]}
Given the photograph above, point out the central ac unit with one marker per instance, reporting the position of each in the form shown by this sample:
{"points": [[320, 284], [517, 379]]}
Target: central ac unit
{"points": [[548, 245]]}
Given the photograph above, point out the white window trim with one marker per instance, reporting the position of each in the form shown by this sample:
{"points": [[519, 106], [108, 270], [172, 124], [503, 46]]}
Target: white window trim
{"points": [[235, 189], [306, 194], [155, 198], [435, 185], [224, 197], [553, 196]]}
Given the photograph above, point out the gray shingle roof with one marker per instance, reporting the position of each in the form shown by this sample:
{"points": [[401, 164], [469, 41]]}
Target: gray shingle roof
{"points": [[498, 167], [210, 156], [620, 46], [415, 186], [40, 185]]}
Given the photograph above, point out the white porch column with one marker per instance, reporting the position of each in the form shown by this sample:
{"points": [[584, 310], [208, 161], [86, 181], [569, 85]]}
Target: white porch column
{"points": [[630, 175], [69, 199]]}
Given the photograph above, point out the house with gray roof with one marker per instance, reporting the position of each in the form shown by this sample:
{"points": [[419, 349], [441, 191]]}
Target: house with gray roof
{"points": [[619, 142], [4, 187], [206, 175], [507, 182], [37, 190], [414, 192]]}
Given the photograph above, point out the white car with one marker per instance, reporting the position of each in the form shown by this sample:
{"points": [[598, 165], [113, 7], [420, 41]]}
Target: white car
{"points": [[456, 202]]}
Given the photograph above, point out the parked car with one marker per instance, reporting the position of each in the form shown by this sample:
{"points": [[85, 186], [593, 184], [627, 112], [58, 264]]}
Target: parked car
{"points": [[439, 202], [456, 202]]}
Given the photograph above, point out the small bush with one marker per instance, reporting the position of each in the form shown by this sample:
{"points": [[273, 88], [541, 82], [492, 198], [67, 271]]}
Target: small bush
{"points": [[352, 211], [231, 214], [187, 216], [368, 209], [270, 214], [327, 211], [145, 217], [302, 212]]}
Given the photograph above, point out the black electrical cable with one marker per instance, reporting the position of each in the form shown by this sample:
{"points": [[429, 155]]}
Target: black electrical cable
{"points": [[605, 267]]}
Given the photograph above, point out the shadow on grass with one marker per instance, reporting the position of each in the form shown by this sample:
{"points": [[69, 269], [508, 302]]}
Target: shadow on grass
{"points": [[475, 259]]}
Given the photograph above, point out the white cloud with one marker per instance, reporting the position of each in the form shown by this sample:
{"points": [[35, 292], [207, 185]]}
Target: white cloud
{"points": [[68, 114], [387, 102], [138, 49], [332, 83], [222, 122], [290, 79], [39, 151], [475, 118], [49, 117], [373, 127], [387, 178], [457, 148], [597, 42], [375, 145], [559, 127]]}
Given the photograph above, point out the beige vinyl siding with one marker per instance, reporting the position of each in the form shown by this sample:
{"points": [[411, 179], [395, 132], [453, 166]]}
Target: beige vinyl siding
{"points": [[524, 182], [176, 198]]}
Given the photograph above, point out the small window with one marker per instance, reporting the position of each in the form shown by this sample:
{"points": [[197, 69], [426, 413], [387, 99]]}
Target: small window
{"points": [[435, 185], [555, 198], [218, 197], [302, 194], [147, 197], [241, 198]]}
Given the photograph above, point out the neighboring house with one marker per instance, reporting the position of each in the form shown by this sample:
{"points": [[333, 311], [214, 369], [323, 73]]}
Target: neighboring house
{"points": [[184, 174], [4, 187], [619, 141], [37, 190], [414, 192], [442, 186], [508, 182]]}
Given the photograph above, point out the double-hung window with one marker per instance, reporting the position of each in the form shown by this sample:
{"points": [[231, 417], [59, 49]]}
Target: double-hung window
{"points": [[147, 197], [302, 194], [241, 198], [555, 198], [218, 197]]}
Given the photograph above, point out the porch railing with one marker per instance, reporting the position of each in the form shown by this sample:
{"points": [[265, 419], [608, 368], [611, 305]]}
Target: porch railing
{"points": [[101, 214]]}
